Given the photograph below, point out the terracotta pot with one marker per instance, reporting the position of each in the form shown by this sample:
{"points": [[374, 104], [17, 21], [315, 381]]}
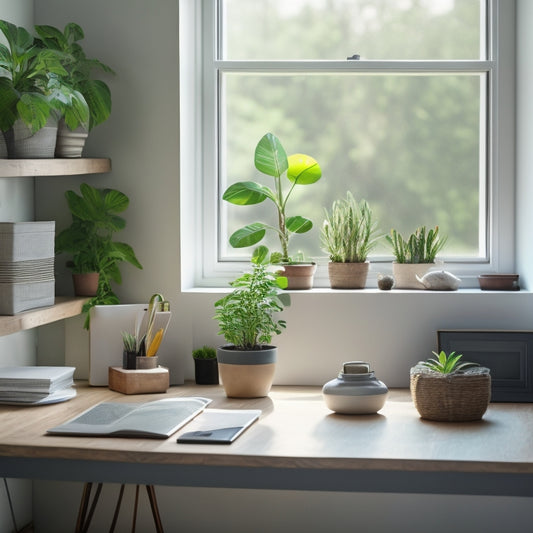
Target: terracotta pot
{"points": [[405, 274], [348, 275], [85, 284], [246, 374], [300, 275]]}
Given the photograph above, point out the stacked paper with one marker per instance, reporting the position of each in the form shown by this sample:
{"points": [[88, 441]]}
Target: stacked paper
{"points": [[35, 385]]}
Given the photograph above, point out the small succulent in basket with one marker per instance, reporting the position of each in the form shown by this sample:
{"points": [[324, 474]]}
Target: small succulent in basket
{"points": [[447, 363]]}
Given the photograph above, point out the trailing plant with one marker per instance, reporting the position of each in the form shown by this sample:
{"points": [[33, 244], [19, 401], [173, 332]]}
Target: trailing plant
{"points": [[78, 74], [421, 247], [349, 232], [246, 316], [271, 159], [89, 239], [28, 80], [446, 364], [205, 352]]}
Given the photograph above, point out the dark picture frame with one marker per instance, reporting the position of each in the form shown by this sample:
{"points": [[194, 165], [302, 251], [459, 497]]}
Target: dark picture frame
{"points": [[508, 354]]}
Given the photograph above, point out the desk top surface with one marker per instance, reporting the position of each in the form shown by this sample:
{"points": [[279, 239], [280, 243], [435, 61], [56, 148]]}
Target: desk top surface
{"points": [[296, 430]]}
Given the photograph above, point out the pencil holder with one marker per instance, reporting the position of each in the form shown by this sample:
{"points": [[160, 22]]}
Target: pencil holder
{"points": [[144, 362], [129, 360]]}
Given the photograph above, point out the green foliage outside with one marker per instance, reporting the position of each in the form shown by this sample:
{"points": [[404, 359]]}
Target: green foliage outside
{"points": [[408, 143]]}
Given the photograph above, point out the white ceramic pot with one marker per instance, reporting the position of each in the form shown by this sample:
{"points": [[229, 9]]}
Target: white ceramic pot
{"points": [[70, 143], [405, 274]]}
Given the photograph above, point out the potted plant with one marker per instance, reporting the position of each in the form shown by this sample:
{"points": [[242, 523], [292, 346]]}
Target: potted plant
{"points": [[300, 169], [92, 102], [28, 104], [348, 235], [414, 256], [89, 240], [445, 389], [205, 365], [247, 320]]}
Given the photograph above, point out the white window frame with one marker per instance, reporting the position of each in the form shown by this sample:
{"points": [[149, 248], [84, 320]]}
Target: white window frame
{"points": [[199, 157]]}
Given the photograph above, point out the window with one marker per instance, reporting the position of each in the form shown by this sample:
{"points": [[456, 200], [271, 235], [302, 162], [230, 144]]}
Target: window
{"points": [[418, 126]]}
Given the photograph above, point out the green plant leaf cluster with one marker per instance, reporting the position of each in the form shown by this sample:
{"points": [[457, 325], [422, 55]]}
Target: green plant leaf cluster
{"points": [[205, 352], [89, 102], [446, 364], [271, 159], [421, 247], [246, 316], [349, 231], [89, 239]]}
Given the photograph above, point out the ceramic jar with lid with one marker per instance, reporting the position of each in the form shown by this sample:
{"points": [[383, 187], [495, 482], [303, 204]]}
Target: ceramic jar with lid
{"points": [[355, 390]]}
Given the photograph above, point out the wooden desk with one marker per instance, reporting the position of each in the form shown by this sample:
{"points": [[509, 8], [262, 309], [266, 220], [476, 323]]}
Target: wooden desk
{"points": [[297, 444]]}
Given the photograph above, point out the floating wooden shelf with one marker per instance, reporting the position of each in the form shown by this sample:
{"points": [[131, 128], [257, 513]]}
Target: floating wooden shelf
{"points": [[17, 168], [65, 307]]}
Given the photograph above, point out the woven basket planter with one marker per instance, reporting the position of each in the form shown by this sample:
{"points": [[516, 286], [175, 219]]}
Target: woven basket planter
{"points": [[456, 397]]}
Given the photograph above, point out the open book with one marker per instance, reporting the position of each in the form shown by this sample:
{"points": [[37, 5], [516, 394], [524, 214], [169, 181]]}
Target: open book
{"points": [[157, 419]]}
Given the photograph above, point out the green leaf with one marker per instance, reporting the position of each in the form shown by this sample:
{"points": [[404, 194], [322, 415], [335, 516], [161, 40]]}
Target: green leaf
{"points": [[260, 255], [299, 224], [34, 110], [303, 169], [248, 235], [115, 201], [270, 157], [98, 96], [246, 193]]}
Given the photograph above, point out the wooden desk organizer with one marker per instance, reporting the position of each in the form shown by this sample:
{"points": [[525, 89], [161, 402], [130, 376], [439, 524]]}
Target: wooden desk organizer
{"points": [[138, 381]]}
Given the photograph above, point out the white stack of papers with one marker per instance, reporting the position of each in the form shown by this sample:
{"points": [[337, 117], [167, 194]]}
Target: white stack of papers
{"points": [[36, 385]]}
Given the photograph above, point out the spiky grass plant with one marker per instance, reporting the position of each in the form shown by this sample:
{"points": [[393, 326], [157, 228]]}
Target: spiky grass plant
{"points": [[421, 247], [446, 364], [349, 231]]}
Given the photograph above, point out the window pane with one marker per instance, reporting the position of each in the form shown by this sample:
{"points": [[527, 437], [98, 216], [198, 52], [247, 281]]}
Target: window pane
{"points": [[335, 29], [408, 144]]}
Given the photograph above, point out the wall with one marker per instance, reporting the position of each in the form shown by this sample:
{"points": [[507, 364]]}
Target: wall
{"points": [[392, 331]]}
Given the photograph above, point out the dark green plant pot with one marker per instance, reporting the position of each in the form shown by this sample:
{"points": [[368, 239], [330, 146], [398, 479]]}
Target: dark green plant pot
{"points": [[206, 371]]}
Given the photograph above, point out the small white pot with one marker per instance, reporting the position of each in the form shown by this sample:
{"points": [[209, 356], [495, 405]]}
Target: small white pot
{"points": [[405, 274]]}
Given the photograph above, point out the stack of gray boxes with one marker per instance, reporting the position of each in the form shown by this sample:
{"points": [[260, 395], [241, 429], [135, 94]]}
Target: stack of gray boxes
{"points": [[26, 266]]}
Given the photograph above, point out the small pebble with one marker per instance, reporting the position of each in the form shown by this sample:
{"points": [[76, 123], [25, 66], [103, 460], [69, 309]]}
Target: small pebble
{"points": [[385, 283]]}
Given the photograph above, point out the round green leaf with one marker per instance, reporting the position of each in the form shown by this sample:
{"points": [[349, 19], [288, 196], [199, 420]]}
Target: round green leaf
{"points": [[298, 224], [303, 169], [248, 236], [270, 156], [246, 193]]}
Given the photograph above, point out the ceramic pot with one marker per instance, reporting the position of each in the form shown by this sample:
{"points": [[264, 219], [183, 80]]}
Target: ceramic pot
{"points": [[85, 284], [348, 275], [23, 144], [143, 362], [70, 143], [300, 275], [355, 391], [129, 360], [206, 371], [246, 374], [405, 274]]}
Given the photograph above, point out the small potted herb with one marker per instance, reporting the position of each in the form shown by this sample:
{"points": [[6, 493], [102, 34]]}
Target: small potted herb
{"points": [[414, 256], [444, 388], [247, 319], [299, 169], [205, 365], [349, 233]]}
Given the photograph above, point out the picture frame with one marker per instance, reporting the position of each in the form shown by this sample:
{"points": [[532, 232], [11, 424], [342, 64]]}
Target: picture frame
{"points": [[508, 355]]}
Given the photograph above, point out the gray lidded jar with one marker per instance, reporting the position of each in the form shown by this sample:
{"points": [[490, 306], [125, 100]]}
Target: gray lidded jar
{"points": [[355, 390]]}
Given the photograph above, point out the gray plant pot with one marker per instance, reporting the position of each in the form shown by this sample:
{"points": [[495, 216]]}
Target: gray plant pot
{"points": [[70, 143], [23, 144]]}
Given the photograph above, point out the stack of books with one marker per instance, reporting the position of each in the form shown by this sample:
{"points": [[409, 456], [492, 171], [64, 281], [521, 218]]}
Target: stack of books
{"points": [[36, 385]]}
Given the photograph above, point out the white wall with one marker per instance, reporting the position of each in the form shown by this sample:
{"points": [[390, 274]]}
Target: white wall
{"points": [[391, 331]]}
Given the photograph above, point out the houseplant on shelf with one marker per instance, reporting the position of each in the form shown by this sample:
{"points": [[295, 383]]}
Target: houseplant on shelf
{"points": [[348, 235], [446, 389], [80, 115], [205, 365], [28, 107], [89, 239], [414, 256], [247, 320], [299, 169]]}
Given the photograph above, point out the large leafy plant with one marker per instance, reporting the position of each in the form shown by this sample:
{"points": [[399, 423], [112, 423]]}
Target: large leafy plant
{"points": [[246, 316], [421, 247], [349, 231], [272, 160], [28, 80], [95, 94], [89, 239]]}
